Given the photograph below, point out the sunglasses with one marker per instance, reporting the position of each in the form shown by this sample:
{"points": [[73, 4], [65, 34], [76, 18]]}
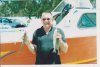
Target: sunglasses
{"points": [[45, 19]]}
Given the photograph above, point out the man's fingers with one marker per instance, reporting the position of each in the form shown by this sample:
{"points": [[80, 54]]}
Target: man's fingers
{"points": [[58, 35]]}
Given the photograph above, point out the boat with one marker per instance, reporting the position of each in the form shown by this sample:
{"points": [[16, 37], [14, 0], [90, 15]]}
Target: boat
{"points": [[79, 26]]}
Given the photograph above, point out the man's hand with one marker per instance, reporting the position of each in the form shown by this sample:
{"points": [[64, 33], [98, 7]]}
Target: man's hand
{"points": [[58, 35], [63, 45]]}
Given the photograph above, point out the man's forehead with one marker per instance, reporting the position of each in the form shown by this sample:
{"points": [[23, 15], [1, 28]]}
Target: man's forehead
{"points": [[46, 15]]}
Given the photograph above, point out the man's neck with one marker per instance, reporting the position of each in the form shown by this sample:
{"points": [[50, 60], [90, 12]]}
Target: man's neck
{"points": [[47, 29]]}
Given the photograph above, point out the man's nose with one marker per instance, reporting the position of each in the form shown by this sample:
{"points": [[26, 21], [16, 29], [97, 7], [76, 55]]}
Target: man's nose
{"points": [[46, 20]]}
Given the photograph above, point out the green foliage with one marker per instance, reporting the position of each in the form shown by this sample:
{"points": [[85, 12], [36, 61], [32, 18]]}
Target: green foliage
{"points": [[26, 7]]}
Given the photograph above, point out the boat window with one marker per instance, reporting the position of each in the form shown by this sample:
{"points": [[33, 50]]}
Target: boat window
{"points": [[66, 9], [63, 13], [6, 23], [58, 18], [87, 20]]}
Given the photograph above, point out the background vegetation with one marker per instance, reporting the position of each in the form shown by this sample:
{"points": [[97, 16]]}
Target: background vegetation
{"points": [[28, 7]]}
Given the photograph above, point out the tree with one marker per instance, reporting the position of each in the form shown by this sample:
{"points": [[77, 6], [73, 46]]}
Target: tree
{"points": [[27, 7]]}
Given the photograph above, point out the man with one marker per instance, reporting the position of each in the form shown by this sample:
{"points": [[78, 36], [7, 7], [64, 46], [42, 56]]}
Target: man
{"points": [[44, 42]]}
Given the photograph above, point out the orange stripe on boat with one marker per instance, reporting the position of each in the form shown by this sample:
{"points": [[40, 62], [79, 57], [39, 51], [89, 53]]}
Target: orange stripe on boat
{"points": [[82, 61]]}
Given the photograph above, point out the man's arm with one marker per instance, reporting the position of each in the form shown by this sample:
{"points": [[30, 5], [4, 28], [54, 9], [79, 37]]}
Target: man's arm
{"points": [[63, 45], [29, 44], [30, 47]]}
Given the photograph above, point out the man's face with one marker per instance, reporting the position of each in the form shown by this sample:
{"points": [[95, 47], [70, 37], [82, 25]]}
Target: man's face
{"points": [[47, 19]]}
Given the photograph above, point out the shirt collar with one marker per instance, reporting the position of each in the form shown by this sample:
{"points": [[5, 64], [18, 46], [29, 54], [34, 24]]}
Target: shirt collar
{"points": [[48, 31]]}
